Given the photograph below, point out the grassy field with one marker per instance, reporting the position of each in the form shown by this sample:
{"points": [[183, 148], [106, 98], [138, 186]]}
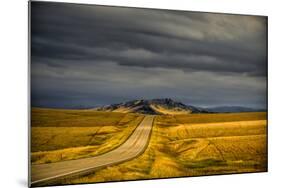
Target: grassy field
{"points": [[58, 135], [193, 145]]}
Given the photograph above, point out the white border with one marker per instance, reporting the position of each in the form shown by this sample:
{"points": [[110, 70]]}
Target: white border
{"points": [[14, 92]]}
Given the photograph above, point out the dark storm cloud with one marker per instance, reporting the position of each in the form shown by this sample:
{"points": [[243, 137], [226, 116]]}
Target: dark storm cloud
{"points": [[72, 43]]}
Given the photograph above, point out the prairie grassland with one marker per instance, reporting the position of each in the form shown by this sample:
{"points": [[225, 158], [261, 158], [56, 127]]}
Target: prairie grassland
{"points": [[44, 117], [202, 145], [56, 135], [214, 118]]}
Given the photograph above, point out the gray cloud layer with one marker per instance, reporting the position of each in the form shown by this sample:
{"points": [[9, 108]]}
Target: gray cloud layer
{"points": [[95, 55]]}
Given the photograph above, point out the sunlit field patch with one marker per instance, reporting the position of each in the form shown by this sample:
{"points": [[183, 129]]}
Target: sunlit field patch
{"points": [[58, 135], [193, 145]]}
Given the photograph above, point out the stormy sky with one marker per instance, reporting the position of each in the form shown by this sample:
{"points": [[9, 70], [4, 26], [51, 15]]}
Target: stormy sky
{"points": [[86, 55]]}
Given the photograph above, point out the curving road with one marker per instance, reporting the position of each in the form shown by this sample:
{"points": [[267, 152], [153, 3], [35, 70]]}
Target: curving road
{"points": [[134, 146]]}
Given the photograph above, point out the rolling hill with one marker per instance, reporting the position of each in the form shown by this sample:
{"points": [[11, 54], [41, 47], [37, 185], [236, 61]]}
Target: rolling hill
{"points": [[152, 106]]}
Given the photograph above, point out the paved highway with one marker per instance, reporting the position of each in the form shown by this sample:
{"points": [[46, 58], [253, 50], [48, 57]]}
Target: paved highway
{"points": [[134, 146]]}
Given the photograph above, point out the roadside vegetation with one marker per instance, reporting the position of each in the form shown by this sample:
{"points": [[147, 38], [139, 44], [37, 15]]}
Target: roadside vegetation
{"points": [[193, 145], [58, 135]]}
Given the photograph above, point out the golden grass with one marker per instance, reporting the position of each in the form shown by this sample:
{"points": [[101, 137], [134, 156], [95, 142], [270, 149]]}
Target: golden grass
{"points": [[220, 117], [201, 145], [54, 138], [44, 117], [205, 130], [70, 141]]}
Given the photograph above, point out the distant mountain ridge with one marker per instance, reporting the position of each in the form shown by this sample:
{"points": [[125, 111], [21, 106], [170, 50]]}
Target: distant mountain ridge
{"points": [[229, 109], [169, 107], [152, 106]]}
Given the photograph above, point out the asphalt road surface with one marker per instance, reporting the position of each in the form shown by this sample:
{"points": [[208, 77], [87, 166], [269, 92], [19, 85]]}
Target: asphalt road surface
{"points": [[134, 146]]}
